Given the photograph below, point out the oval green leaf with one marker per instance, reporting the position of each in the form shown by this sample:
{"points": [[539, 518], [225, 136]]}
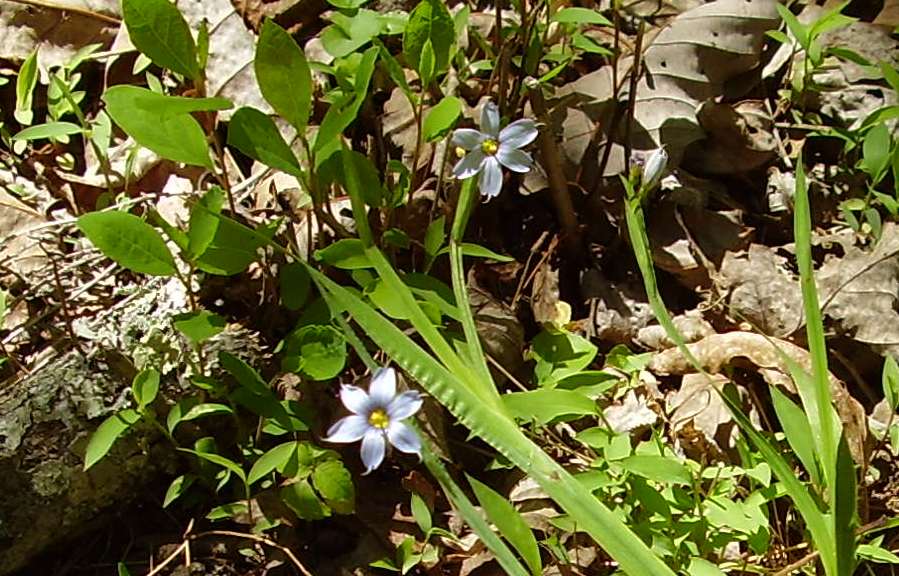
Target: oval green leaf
{"points": [[441, 118], [129, 241], [255, 134], [158, 30], [106, 435], [283, 74]]}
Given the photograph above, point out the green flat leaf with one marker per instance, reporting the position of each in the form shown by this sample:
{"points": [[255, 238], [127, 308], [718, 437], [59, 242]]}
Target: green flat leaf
{"points": [[158, 30], [435, 236], [294, 285], [145, 387], [319, 352], [283, 74], [347, 4], [175, 413], [335, 484], [25, 83], [441, 118], [429, 22], [876, 151], [245, 374], [421, 513], [274, 459], [226, 511], [346, 254], [48, 130], [581, 16], [219, 460], [199, 326], [349, 33], [178, 487], [510, 524], [427, 63], [163, 123], [657, 468], [546, 405], [331, 170], [799, 31], [701, 567], [477, 251], [889, 380], [129, 241], [233, 248], [796, 428], [338, 118], [122, 569], [204, 410], [301, 498], [204, 221], [106, 434], [255, 134]]}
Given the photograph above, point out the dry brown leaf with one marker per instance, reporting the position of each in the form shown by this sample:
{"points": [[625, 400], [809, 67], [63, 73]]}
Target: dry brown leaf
{"points": [[58, 33], [617, 309], [717, 352], [761, 289], [697, 407], [687, 63], [860, 291], [631, 413], [739, 138]]}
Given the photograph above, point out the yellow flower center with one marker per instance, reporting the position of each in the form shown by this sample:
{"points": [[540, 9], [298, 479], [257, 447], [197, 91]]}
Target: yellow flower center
{"points": [[379, 418], [489, 147]]}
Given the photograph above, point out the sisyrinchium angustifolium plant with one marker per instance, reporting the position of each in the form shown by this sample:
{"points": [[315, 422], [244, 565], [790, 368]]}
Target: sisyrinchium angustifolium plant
{"points": [[365, 295]]}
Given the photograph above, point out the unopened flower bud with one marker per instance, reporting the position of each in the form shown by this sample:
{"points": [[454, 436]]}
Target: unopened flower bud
{"points": [[654, 167]]}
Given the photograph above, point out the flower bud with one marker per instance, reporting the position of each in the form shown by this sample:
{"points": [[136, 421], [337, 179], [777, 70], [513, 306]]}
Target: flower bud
{"points": [[654, 167]]}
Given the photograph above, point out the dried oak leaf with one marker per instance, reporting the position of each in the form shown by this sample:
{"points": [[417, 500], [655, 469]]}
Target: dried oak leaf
{"points": [[860, 291], [761, 290], [690, 61], [716, 353]]}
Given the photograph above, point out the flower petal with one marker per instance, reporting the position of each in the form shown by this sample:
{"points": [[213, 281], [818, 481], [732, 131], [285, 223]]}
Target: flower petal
{"points": [[468, 139], [404, 405], [491, 179], [404, 438], [373, 447], [490, 120], [355, 399], [469, 165], [383, 387], [519, 133], [514, 159], [348, 429]]}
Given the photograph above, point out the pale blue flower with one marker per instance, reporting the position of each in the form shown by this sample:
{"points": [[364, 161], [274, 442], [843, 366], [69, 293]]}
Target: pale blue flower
{"points": [[489, 148], [653, 166], [376, 419]]}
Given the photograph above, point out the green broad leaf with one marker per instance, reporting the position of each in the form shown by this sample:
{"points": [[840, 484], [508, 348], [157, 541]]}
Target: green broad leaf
{"points": [[405, 555], [301, 498], [199, 326], [294, 285], [204, 410], [441, 118], [387, 300], [129, 241], [338, 118], [657, 468], [318, 352], [889, 378], [122, 569], [421, 513], [799, 30], [227, 511], [178, 487], [796, 428], [3, 297], [560, 355], [254, 133], [219, 460], [347, 4], [25, 84], [178, 410], [245, 374], [275, 459], [396, 238], [430, 22], [203, 45], [545, 405], [346, 254], [435, 236], [158, 30], [349, 33], [509, 523], [204, 221], [233, 247], [891, 75], [844, 508], [581, 16], [331, 170], [876, 151], [427, 63], [477, 251], [163, 123], [283, 74], [877, 554], [145, 387], [106, 434], [335, 484], [702, 567], [48, 130]]}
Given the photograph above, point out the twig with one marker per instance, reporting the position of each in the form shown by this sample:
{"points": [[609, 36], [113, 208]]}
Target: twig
{"points": [[178, 551], [632, 97], [80, 11], [261, 540], [558, 183]]}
